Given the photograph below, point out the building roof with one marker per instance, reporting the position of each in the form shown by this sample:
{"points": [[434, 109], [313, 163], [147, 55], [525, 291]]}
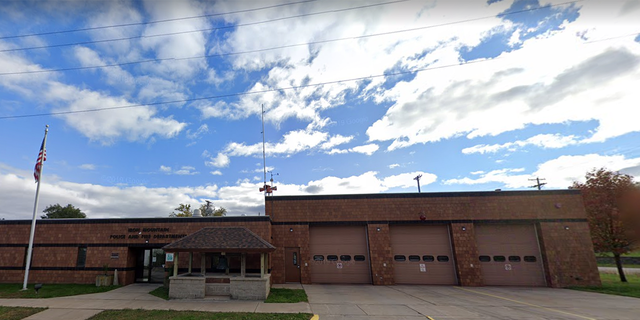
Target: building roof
{"points": [[229, 239]]}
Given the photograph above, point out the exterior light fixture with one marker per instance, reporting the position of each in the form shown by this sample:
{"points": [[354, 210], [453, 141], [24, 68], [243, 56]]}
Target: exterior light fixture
{"points": [[566, 227], [464, 228], [290, 229], [378, 229]]}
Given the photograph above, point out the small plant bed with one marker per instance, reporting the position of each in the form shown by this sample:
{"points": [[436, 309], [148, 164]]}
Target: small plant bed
{"points": [[279, 295], [16, 313], [129, 314], [611, 285], [12, 290], [161, 292]]}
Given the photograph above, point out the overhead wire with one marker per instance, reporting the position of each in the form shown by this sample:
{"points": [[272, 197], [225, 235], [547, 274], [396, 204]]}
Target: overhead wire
{"points": [[283, 46], [201, 30]]}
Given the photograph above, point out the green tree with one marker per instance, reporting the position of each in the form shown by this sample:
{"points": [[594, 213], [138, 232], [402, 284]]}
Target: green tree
{"points": [[57, 211], [611, 202], [184, 210], [220, 212]]}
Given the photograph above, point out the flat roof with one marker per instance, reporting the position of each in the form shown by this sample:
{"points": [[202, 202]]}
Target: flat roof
{"points": [[142, 220]]}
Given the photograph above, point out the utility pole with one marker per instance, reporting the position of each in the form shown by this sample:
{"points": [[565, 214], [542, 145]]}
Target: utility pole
{"points": [[418, 179], [538, 184]]}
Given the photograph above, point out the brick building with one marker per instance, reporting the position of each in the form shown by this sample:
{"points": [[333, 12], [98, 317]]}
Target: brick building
{"points": [[524, 238]]}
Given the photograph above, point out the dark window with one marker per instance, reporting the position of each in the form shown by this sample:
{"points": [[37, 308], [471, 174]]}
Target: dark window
{"points": [[358, 257], [400, 258], [484, 258], [295, 258], [332, 257], [345, 257], [318, 257], [428, 258], [514, 258], [414, 258], [499, 258], [443, 258], [530, 259], [82, 257]]}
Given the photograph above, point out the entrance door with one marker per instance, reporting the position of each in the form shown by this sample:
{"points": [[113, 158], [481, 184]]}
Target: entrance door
{"points": [[149, 265], [292, 264]]}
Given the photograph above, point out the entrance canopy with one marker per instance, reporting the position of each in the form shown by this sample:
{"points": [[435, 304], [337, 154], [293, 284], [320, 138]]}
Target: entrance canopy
{"points": [[230, 239]]}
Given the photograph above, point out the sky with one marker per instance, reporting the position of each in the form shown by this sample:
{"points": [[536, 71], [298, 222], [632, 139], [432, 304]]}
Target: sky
{"points": [[155, 103]]}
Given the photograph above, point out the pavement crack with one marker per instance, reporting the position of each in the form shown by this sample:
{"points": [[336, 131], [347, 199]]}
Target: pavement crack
{"points": [[409, 294]]}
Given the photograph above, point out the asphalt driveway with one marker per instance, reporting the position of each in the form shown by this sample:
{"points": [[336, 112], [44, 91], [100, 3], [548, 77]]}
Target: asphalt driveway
{"points": [[445, 302]]}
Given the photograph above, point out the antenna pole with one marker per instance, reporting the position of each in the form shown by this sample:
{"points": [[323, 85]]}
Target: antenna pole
{"points": [[538, 184], [264, 157], [418, 179]]}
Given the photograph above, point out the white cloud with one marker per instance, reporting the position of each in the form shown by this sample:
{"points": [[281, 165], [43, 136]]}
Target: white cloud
{"points": [[165, 169], [183, 171], [220, 161], [335, 141], [87, 166], [393, 166], [406, 180], [216, 173], [367, 149], [292, 142], [547, 141], [199, 132]]}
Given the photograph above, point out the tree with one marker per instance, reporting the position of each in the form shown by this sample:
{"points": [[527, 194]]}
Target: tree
{"points": [[611, 202], [184, 210], [220, 212], [57, 211]]}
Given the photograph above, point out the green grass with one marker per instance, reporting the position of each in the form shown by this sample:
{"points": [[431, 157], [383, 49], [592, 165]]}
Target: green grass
{"points": [[129, 314], [16, 313], [287, 296], [610, 265], [609, 254], [12, 290], [161, 292], [611, 285]]}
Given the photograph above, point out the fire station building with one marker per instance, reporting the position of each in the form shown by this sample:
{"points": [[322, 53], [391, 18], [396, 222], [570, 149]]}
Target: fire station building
{"points": [[501, 238]]}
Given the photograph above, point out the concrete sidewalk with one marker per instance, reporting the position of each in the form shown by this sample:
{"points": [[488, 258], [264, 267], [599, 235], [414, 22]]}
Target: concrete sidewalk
{"points": [[136, 296]]}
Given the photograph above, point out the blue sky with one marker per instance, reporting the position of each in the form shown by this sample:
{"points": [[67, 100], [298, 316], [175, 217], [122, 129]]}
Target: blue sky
{"points": [[472, 95]]}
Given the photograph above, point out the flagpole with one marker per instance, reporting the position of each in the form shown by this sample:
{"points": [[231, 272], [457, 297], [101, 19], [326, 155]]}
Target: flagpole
{"points": [[35, 210]]}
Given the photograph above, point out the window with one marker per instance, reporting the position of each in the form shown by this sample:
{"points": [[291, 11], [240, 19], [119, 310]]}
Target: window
{"points": [[484, 258], [428, 258], [345, 257], [514, 258], [530, 259], [318, 257], [443, 258], [332, 257], [82, 257], [400, 258], [414, 258], [295, 258], [499, 258], [358, 257]]}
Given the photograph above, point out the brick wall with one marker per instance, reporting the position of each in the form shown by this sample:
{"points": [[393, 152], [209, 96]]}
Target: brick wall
{"points": [[465, 251], [380, 254], [283, 238]]}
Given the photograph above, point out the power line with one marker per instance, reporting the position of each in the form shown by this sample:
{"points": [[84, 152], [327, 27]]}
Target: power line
{"points": [[151, 22], [273, 48], [247, 92], [201, 30]]}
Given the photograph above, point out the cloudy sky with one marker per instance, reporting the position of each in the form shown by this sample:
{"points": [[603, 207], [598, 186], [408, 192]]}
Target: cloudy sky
{"points": [[155, 103]]}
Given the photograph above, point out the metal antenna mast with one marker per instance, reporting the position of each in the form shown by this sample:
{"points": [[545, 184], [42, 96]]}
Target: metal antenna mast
{"points": [[264, 157], [538, 184], [418, 179]]}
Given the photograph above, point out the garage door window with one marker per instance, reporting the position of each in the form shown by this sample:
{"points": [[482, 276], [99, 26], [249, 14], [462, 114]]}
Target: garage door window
{"points": [[345, 258], [484, 259], [514, 258], [499, 258], [443, 258], [428, 258], [530, 259], [318, 258], [414, 258], [358, 257], [399, 258], [332, 258]]}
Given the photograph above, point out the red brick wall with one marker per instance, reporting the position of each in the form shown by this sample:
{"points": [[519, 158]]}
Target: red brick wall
{"points": [[380, 254], [568, 255], [465, 251], [283, 238]]}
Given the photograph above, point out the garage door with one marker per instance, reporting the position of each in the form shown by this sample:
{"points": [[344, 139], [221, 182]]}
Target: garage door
{"points": [[422, 255], [339, 255], [509, 255]]}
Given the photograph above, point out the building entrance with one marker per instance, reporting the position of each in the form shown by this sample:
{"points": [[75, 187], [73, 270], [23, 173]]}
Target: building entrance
{"points": [[150, 265]]}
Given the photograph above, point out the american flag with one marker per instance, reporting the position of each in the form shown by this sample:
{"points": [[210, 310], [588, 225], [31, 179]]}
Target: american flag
{"points": [[42, 156]]}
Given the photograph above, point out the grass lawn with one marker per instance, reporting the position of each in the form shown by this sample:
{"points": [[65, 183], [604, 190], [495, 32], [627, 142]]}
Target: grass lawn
{"points": [[609, 254], [12, 290], [16, 313], [161, 292], [129, 314], [614, 266], [611, 285], [287, 296]]}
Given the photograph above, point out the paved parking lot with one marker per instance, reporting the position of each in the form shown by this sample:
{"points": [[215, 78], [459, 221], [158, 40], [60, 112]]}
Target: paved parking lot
{"points": [[462, 303]]}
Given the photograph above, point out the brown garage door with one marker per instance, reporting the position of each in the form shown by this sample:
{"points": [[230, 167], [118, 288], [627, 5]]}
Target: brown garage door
{"points": [[422, 255], [509, 255], [339, 254]]}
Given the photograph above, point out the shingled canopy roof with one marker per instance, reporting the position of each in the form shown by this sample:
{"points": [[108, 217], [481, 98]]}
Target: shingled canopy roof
{"points": [[230, 239]]}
